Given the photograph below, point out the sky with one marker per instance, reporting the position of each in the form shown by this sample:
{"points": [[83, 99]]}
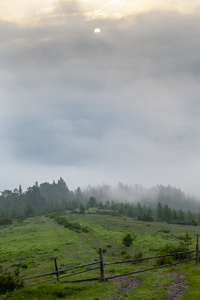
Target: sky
{"points": [[119, 105]]}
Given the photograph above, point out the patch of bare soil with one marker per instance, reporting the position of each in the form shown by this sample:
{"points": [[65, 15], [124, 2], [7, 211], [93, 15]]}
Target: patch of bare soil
{"points": [[128, 285], [178, 287], [174, 293]]}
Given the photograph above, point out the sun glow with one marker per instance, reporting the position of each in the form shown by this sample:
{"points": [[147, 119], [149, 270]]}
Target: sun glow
{"points": [[97, 30], [21, 10]]}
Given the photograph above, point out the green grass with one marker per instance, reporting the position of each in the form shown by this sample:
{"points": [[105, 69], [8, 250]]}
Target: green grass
{"points": [[36, 243], [33, 244], [79, 291], [153, 287], [193, 280]]}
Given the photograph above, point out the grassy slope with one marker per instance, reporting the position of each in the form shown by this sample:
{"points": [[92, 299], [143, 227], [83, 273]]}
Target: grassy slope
{"points": [[35, 242]]}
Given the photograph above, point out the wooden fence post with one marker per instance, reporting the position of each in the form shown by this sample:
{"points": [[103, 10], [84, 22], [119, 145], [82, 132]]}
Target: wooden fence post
{"points": [[197, 250], [56, 267], [102, 276]]}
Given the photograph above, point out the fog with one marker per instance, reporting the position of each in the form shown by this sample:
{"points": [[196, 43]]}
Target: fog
{"points": [[118, 106]]}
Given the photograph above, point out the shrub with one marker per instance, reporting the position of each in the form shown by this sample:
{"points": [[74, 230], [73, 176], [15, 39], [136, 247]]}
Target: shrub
{"points": [[75, 226], [24, 266], [82, 209], [85, 229], [127, 240], [186, 241], [5, 221], [10, 280], [61, 221], [138, 254], [67, 224], [169, 249]]}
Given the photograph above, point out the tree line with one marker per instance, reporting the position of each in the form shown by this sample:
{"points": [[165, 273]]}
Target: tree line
{"points": [[56, 196], [161, 213]]}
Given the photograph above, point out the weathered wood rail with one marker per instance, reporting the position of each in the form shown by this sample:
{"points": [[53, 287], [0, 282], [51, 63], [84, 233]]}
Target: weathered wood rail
{"points": [[101, 265]]}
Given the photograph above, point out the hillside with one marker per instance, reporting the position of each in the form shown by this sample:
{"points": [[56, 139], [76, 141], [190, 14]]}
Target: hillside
{"points": [[32, 245]]}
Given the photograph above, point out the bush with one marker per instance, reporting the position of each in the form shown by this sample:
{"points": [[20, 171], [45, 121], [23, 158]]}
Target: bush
{"points": [[10, 280], [67, 224], [127, 240], [24, 266], [169, 249], [85, 229], [186, 241], [138, 254], [5, 221], [61, 221], [75, 226], [82, 209]]}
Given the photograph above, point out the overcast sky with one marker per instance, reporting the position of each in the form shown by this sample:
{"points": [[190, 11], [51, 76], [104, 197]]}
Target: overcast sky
{"points": [[120, 105]]}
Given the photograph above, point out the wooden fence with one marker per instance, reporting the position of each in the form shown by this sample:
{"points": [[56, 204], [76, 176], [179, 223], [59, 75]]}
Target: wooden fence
{"points": [[101, 266]]}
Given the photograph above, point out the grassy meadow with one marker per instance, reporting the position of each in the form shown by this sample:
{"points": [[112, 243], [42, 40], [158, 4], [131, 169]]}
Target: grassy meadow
{"points": [[32, 244]]}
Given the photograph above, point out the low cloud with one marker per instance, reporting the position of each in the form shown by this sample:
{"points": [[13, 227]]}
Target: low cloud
{"points": [[124, 99]]}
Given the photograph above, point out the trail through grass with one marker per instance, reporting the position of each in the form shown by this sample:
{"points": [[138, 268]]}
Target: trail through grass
{"points": [[33, 244]]}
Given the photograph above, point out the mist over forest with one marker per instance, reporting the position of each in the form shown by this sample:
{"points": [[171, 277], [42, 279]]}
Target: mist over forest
{"points": [[47, 197], [171, 196]]}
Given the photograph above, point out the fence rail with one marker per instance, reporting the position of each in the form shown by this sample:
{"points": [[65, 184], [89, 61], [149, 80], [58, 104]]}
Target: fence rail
{"points": [[145, 258], [150, 269], [103, 264], [59, 271]]}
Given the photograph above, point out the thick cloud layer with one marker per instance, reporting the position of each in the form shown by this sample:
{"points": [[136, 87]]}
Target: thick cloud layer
{"points": [[121, 105]]}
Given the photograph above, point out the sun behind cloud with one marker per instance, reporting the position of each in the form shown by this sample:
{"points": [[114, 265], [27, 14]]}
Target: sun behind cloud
{"points": [[97, 30]]}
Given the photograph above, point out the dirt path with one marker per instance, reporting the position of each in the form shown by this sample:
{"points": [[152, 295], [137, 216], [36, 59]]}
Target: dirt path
{"points": [[128, 285], [178, 287], [49, 221], [174, 293]]}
